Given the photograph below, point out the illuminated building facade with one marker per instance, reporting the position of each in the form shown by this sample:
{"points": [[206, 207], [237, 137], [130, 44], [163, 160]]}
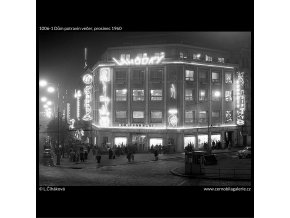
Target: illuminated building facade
{"points": [[166, 94]]}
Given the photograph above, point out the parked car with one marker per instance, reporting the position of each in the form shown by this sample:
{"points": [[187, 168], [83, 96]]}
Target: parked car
{"points": [[210, 159], [245, 153]]}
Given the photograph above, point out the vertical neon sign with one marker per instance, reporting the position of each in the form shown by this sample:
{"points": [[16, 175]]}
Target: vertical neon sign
{"points": [[88, 79], [104, 114], [78, 94], [240, 99]]}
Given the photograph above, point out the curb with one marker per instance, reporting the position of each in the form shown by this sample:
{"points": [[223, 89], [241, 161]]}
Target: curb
{"points": [[206, 177]]}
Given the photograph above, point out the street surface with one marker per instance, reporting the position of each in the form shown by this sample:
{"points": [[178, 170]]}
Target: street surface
{"points": [[143, 172]]}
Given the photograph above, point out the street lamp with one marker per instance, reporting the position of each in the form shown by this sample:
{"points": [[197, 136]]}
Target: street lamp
{"points": [[43, 99], [51, 89]]}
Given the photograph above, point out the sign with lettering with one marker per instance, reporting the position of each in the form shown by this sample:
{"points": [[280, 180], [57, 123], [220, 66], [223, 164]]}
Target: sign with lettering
{"points": [[144, 60]]}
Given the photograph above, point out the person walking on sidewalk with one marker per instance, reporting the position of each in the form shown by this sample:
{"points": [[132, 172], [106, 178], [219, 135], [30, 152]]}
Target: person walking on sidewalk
{"points": [[98, 155], [156, 154], [82, 158]]}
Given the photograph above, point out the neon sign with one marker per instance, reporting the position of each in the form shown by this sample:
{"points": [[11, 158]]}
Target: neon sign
{"points": [[172, 91], [172, 118], [144, 60], [72, 122], [78, 94], [68, 112], [88, 79], [104, 99], [240, 99]]}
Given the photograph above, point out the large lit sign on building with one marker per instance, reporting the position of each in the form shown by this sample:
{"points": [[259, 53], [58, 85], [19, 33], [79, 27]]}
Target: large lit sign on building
{"points": [[240, 99], [71, 122], [104, 119], [88, 79], [68, 112], [172, 118], [78, 94], [144, 60]]}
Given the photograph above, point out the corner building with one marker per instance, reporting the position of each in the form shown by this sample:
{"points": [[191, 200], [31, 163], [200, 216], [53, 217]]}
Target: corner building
{"points": [[165, 94]]}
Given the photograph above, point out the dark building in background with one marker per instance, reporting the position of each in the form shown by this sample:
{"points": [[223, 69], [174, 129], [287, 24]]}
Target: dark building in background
{"points": [[167, 94]]}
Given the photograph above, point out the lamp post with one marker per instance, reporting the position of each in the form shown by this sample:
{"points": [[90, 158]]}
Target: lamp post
{"points": [[44, 83]]}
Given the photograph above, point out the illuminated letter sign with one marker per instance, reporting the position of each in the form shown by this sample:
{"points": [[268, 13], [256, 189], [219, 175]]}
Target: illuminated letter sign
{"points": [[140, 60], [104, 99], [88, 79], [173, 91], [78, 94], [68, 112], [172, 118], [240, 99]]}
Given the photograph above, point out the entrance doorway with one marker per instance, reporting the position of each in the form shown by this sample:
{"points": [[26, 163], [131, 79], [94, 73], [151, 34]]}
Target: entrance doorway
{"points": [[229, 139], [140, 140]]}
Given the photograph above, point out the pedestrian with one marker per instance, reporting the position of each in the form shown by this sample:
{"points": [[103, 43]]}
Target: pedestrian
{"points": [[156, 154], [82, 158], [98, 155], [85, 153], [129, 156], [110, 153]]}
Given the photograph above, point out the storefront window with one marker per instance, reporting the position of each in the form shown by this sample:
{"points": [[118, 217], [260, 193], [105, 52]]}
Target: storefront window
{"points": [[201, 140], [156, 94], [189, 140], [121, 95], [156, 141], [119, 141], [138, 95]]}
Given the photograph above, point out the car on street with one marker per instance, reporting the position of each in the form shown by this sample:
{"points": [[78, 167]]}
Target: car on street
{"points": [[245, 153]]}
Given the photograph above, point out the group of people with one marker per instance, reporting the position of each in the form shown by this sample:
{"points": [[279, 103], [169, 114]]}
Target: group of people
{"points": [[214, 145]]}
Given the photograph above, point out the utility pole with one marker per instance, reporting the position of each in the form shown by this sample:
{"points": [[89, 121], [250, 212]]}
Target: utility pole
{"points": [[58, 148]]}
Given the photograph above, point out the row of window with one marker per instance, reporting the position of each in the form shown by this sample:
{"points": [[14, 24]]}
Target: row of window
{"points": [[156, 95], [156, 74], [156, 116], [198, 56]]}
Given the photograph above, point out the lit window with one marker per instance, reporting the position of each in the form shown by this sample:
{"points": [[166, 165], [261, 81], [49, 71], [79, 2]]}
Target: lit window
{"points": [[216, 95], [138, 114], [208, 58], [221, 60], [121, 95], [156, 116], [228, 78], [196, 56], [189, 116], [215, 77], [203, 116], [188, 95], [229, 116], [181, 54], [202, 95], [189, 75], [138, 95], [228, 95], [156, 94], [121, 114]]}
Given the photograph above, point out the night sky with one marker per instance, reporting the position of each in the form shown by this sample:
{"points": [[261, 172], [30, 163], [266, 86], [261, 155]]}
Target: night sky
{"points": [[61, 54]]}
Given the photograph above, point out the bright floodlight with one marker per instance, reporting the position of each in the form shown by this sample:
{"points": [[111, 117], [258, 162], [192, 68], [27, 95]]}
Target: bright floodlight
{"points": [[45, 106], [217, 94], [50, 89], [43, 99], [42, 83], [49, 103]]}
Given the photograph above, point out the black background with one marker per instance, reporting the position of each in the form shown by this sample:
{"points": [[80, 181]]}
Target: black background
{"points": [[146, 201]]}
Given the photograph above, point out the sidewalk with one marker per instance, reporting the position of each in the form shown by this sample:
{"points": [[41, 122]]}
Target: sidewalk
{"points": [[121, 160]]}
